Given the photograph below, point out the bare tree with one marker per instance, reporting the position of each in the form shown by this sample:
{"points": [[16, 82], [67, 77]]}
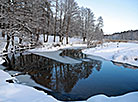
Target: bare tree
{"points": [[28, 19], [55, 25], [72, 8], [98, 30]]}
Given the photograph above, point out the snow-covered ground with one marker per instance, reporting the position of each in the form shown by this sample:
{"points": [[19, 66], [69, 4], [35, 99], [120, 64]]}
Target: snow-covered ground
{"points": [[55, 56], [118, 52], [2, 44], [71, 40], [11, 92], [130, 97], [49, 47], [51, 50], [48, 50], [1, 60]]}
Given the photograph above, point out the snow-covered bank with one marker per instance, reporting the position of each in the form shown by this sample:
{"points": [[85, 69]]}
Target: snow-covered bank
{"points": [[55, 56], [48, 47], [55, 46], [11, 92], [118, 52], [2, 44], [130, 97], [1, 60], [49, 51]]}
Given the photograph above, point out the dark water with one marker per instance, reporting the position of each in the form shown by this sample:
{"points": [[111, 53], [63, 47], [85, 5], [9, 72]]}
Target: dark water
{"points": [[76, 81]]}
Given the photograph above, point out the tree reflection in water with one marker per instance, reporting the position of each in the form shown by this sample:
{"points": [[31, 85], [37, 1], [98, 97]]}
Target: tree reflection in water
{"points": [[52, 74]]}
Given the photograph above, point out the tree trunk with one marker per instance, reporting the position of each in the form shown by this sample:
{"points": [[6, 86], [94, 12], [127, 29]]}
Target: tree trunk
{"points": [[44, 37], [48, 28], [8, 43], [55, 27], [60, 35], [37, 39], [20, 40], [47, 37], [60, 38], [3, 33], [84, 38], [13, 40], [62, 27], [67, 30]]}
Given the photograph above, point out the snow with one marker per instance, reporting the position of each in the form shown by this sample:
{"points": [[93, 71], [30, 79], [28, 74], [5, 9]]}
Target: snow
{"points": [[118, 52], [55, 56], [130, 97], [1, 60], [51, 46], [26, 80], [48, 47], [11, 92], [71, 40], [48, 50], [2, 44]]}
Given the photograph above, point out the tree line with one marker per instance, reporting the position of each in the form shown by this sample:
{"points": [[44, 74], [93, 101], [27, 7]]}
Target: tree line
{"points": [[28, 19], [126, 35]]}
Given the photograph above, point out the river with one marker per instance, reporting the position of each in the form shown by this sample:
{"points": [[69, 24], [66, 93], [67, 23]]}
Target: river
{"points": [[70, 75]]}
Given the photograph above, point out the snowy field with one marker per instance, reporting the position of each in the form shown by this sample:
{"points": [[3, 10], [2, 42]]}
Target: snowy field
{"points": [[118, 52]]}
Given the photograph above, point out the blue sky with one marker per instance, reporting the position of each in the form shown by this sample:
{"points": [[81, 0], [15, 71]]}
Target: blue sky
{"points": [[118, 15]]}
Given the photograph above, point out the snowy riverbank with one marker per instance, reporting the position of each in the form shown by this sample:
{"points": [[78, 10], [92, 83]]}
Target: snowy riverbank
{"points": [[11, 92], [50, 47], [1, 60], [118, 52], [49, 51]]}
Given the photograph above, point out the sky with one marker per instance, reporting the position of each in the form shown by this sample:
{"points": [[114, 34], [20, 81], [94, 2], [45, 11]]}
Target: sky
{"points": [[118, 15]]}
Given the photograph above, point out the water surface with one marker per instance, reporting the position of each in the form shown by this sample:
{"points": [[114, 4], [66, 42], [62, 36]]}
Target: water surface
{"points": [[77, 81]]}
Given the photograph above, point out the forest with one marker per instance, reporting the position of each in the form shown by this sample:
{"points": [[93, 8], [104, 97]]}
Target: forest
{"points": [[26, 20]]}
